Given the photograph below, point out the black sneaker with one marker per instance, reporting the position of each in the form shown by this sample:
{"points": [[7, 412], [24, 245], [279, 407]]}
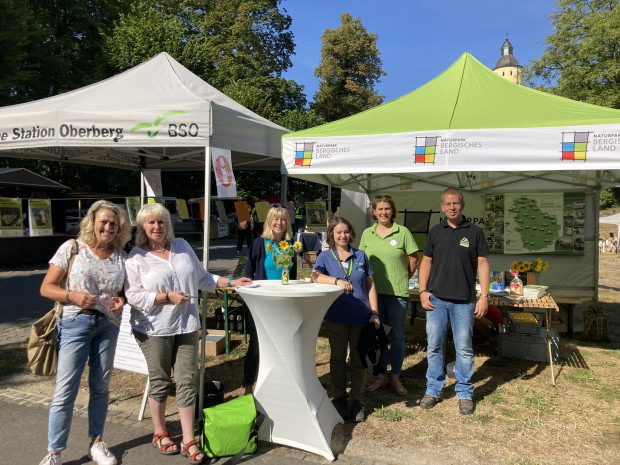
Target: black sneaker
{"points": [[342, 408], [429, 401], [357, 412], [466, 406]]}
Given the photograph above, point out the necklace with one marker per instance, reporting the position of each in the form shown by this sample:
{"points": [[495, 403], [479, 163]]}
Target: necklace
{"points": [[155, 250]]}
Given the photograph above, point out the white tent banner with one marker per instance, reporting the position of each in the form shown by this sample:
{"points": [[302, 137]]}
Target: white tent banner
{"points": [[224, 176], [152, 183], [553, 148]]}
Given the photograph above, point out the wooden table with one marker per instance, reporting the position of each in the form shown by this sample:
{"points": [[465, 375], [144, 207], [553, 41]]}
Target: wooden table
{"points": [[545, 304]]}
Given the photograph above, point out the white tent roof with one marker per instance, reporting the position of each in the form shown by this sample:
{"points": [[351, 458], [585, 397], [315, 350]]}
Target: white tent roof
{"points": [[613, 219], [155, 115]]}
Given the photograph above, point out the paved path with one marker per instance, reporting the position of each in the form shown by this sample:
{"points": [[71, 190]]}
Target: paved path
{"points": [[21, 304]]}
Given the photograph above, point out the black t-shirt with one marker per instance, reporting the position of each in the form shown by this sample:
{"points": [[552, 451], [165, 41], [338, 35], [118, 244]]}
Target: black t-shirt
{"points": [[455, 253]]}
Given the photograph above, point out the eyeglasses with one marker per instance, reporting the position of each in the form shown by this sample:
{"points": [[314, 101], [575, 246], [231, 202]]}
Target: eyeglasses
{"points": [[453, 204], [383, 196]]}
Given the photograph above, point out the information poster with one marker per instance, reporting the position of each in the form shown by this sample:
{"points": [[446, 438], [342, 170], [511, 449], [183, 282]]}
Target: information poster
{"points": [[262, 208], [316, 214], [221, 210], [182, 209], [128, 355], [40, 217], [133, 207], [243, 211], [11, 217], [540, 223]]}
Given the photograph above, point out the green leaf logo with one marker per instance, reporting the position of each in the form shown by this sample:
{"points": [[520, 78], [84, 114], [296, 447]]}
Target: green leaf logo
{"points": [[151, 127]]}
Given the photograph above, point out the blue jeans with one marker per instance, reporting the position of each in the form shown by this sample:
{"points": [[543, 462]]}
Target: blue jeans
{"points": [[80, 338], [393, 312], [461, 316]]}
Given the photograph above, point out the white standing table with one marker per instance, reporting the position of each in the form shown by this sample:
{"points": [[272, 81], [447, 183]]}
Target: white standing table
{"points": [[288, 318]]}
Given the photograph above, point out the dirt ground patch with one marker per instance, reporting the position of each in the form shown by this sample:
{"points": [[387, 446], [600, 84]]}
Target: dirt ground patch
{"points": [[520, 417]]}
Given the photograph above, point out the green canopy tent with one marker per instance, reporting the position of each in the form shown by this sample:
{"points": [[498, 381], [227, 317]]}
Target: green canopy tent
{"points": [[475, 130]]}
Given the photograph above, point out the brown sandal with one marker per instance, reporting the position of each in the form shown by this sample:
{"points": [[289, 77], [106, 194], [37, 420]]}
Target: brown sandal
{"points": [[192, 457], [165, 449]]}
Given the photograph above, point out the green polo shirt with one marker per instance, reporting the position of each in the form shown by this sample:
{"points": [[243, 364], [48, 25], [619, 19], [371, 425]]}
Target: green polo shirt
{"points": [[389, 258]]}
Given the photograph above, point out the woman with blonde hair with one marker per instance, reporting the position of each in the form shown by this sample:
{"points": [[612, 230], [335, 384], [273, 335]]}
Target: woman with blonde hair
{"points": [[163, 277], [88, 327], [260, 265]]}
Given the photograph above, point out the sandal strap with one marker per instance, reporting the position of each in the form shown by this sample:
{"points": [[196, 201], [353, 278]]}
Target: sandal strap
{"points": [[159, 437], [192, 457], [188, 445]]}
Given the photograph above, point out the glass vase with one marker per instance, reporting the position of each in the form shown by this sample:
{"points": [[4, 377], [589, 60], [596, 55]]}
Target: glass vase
{"points": [[285, 276], [516, 286]]}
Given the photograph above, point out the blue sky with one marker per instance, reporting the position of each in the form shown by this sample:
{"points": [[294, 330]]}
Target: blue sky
{"points": [[419, 39]]}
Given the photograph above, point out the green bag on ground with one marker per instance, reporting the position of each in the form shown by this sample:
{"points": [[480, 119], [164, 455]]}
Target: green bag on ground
{"points": [[231, 428]]}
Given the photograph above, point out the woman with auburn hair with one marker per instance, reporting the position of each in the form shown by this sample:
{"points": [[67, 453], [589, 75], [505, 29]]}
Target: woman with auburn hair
{"points": [[163, 277], [391, 250], [260, 265], [92, 299]]}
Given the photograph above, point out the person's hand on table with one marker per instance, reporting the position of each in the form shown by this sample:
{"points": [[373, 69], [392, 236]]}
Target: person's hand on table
{"points": [[241, 282], [346, 285]]}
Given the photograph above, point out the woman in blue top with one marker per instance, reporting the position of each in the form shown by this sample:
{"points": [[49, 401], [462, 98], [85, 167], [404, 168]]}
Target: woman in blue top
{"points": [[260, 265], [349, 268]]}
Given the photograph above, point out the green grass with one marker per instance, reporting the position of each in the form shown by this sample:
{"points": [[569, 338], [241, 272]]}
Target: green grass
{"points": [[581, 375], [530, 399], [390, 414], [507, 413], [481, 418]]}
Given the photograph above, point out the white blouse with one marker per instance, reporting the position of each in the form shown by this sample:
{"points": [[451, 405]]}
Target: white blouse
{"points": [[146, 275]]}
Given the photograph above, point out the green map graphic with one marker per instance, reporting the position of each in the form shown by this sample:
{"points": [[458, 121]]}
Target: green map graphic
{"points": [[538, 230]]}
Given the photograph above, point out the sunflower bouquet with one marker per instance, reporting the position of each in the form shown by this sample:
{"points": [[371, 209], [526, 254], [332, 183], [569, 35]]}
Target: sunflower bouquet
{"points": [[283, 253], [536, 266]]}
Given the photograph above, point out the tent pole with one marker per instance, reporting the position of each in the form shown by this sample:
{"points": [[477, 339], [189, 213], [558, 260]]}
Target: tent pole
{"points": [[141, 187], [205, 263], [329, 203], [597, 206]]}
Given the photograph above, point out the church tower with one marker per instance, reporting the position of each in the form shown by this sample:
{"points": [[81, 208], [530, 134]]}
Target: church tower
{"points": [[508, 66]]}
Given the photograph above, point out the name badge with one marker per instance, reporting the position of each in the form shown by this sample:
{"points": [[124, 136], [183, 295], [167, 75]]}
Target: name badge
{"points": [[464, 242], [393, 242]]}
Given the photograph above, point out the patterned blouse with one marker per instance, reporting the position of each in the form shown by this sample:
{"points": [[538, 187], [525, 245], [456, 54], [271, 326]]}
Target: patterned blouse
{"points": [[103, 277]]}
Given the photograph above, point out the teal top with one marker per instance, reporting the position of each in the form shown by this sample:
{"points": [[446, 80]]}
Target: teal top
{"points": [[388, 258], [271, 269]]}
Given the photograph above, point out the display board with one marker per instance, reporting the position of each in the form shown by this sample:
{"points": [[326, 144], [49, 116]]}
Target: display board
{"points": [[128, 356], [11, 217], [40, 217], [540, 223]]}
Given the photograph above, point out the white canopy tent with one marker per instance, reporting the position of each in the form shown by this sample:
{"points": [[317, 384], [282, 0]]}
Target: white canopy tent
{"points": [[612, 219], [157, 115]]}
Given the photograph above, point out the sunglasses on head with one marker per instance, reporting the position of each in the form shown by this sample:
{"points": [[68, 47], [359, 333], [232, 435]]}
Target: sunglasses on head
{"points": [[383, 196]]}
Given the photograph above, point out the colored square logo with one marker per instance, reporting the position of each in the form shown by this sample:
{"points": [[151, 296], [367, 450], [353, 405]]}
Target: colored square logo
{"points": [[303, 153], [425, 149], [575, 145]]}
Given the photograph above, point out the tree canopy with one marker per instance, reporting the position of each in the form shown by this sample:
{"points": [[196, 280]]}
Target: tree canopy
{"points": [[350, 68], [582, 57]]}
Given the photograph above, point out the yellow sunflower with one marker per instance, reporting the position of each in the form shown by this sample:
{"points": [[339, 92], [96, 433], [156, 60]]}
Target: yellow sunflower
{"points": [[514, 265], [284, 245], [526, 266], [297, 246], [545, 266], [521, 267], [268, 247]]}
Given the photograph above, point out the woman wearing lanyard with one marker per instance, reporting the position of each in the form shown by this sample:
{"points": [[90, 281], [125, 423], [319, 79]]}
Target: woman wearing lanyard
{"points": [[349, 268], [260, 265], [392, 253]]}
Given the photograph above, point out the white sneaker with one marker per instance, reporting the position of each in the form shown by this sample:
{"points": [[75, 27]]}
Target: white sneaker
{"points": [[50, 459], [101, 454]]}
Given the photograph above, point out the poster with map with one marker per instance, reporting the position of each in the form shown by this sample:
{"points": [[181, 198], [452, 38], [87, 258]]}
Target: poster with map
{"points": [[533, 222]]}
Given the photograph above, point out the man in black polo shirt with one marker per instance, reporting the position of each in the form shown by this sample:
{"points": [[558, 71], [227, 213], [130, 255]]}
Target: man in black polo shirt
{"points": [[455, 249]]}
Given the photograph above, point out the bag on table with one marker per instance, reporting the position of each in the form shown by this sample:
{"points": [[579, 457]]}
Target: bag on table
{"points": [[42, 345], [231, 428]]}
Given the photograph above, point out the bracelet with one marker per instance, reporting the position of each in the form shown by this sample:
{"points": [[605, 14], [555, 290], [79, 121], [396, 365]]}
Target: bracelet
{"points": [[336, 282], [67, 297], [167, 297], [423, 291], [374, 313], [230, 280]]}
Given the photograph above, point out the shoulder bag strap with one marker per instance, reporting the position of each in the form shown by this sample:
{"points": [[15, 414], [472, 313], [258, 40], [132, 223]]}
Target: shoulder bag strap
{"points": [[260, 417], [74, 251]]}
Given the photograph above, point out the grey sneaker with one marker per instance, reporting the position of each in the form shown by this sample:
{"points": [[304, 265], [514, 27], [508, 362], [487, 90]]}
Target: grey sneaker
{"points": [[466, 406], [343, 409], [50, 459], [429, 401], [101, 454], [357, 412]]}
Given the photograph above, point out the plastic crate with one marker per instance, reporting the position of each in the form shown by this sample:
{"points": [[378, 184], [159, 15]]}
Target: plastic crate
{"points": [[528, 347], [524, 323]]}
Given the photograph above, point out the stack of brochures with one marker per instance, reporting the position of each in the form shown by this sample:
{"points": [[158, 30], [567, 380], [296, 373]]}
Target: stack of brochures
{"points": [[534, 292]]}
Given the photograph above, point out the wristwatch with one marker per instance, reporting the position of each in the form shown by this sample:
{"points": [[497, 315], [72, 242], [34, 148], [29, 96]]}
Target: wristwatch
{"points": [[486, 295]]}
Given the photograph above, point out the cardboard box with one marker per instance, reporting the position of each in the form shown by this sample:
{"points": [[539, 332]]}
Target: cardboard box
{"points": [[215, 342], [529, 347], [309, 259]]}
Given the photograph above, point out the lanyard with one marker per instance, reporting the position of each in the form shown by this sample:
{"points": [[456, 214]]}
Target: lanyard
{"points": [[347, 274]]}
